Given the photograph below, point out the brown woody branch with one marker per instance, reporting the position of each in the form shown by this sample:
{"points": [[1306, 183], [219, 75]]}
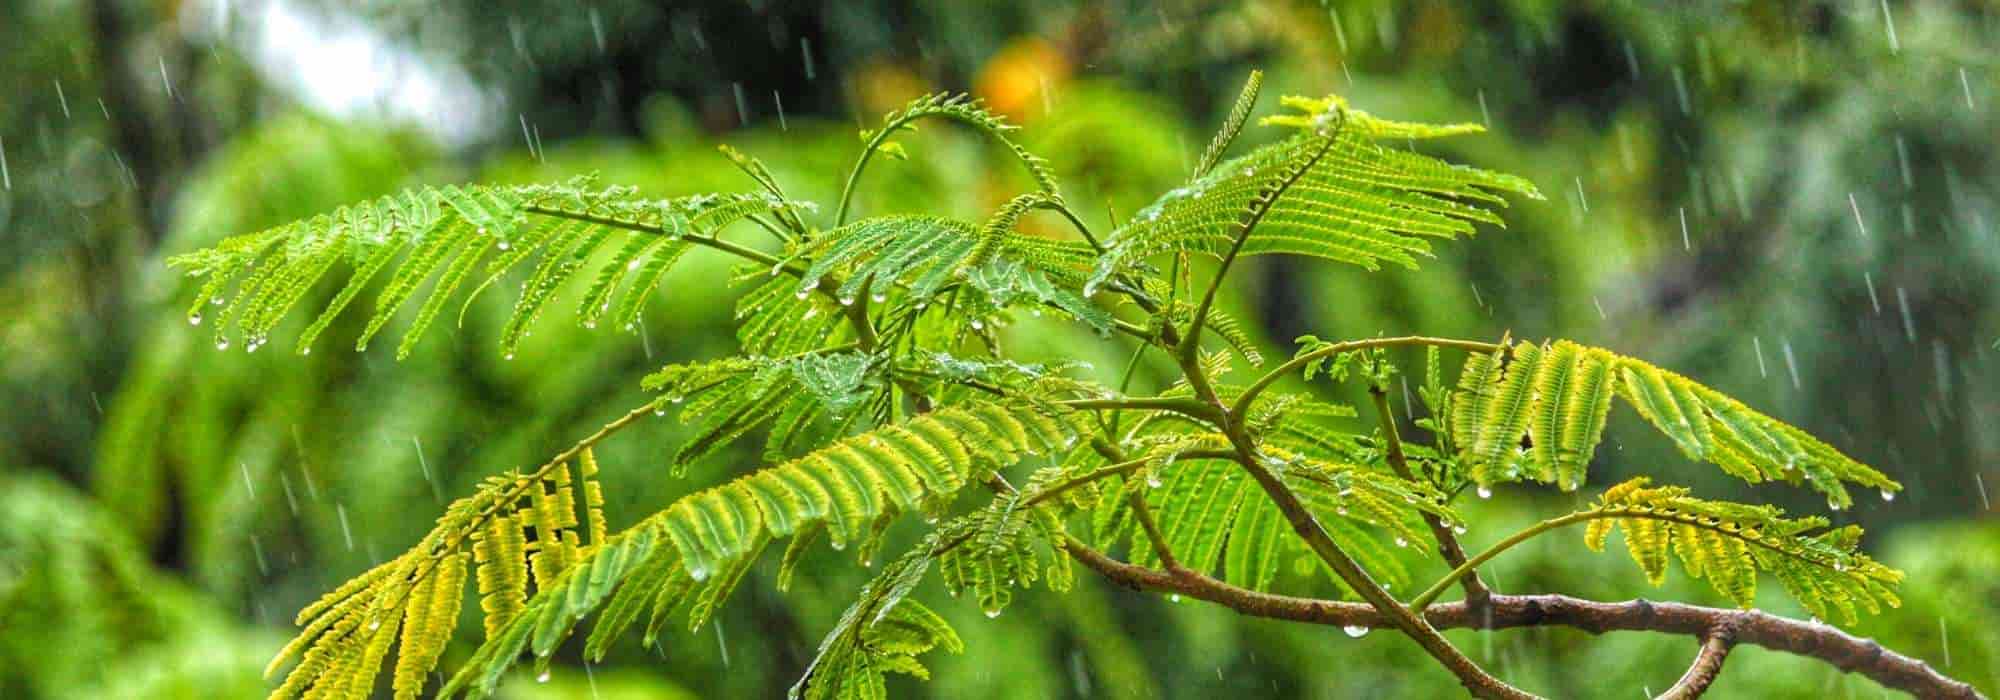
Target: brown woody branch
{"points": [[1819, 641], [1707, 664]]}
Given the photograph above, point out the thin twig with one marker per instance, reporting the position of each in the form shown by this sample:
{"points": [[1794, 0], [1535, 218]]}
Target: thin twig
{"points": [[1476, 593], [1144, 513]]}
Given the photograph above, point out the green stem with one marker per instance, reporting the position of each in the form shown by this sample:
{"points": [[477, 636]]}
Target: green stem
{"points": [[1430, 595], [1108, 471], [1144, 514], [1125, 382], [1080, 228], [854, 176], [1475, 590], [1258, 209], [1178, 404], [1243, 402]]}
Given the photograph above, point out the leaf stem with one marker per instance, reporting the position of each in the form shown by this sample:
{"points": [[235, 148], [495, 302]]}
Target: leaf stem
{"points": [[1476, 592], [1244, 402], [1144, 514], [1258, 209], [1430, 595], [1178, 404]]}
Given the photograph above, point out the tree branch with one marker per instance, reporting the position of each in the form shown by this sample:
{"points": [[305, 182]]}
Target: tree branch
{"points": [[1813, 640], [1707, 665], [1391, 612], [1475, 679]]}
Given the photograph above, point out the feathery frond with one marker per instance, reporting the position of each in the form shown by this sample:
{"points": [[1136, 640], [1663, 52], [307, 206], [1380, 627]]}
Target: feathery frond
{"points": [[347, 634], [965, 110], [1728, 543], [850, 482], [1004, 545], [1361, 203], [1239, 114], [1555, 398], [446, 232], [883, 631]]}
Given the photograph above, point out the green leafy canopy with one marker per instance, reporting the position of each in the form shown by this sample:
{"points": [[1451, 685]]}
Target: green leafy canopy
{"points": [[875, 376]]}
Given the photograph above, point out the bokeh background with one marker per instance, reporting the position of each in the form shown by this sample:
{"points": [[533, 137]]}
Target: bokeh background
{"points": [[1798, 203]]}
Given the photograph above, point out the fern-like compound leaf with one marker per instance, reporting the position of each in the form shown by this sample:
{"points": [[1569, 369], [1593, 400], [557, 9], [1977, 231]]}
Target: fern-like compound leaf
{"points": [[1727, 544], [444, 234], [1362, 203], [1239, 115], [963, 109], [1006, 545], [882, 632], [849, 482], [1555, 397]]}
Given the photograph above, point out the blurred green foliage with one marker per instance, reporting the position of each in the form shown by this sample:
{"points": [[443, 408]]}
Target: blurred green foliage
{"points": [[1712, 166]]}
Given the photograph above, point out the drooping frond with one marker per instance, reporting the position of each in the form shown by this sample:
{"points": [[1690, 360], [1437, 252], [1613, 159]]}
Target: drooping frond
{"points": [[965, 110], [1361, 203], [1728, 543], [1004, 545], [1754, 447], [882, 632], [517, 533], [1555, 398], [539, 551], [691, 555], [445, 233]]}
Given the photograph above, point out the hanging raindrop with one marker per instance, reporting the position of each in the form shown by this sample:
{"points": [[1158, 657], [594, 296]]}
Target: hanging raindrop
{"points": [[1355, 631]]}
